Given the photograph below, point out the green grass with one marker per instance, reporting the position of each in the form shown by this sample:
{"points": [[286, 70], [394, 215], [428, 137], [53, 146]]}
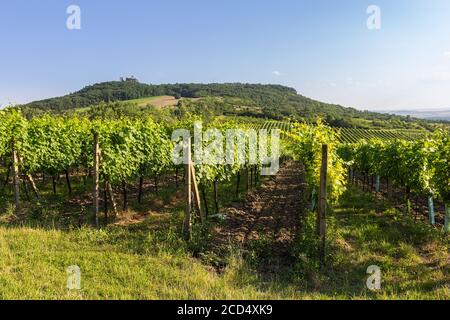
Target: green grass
{"points": [[414, 258], [150, 260], [116, 264]]}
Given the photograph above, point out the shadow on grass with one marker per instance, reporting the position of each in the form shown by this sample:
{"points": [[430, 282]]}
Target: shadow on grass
{"points": [[412, 255], [362, 231]]}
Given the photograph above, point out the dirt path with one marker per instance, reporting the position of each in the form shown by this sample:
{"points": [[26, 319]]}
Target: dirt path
{"points": [[270, 213]]}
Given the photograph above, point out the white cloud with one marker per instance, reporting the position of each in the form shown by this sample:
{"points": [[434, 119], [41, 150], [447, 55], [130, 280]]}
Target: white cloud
{"points": [[277, 73], [332, 84], [447, 54]]}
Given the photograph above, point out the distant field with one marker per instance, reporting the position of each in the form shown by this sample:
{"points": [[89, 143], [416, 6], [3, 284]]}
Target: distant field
{"points": [[161, 101]]}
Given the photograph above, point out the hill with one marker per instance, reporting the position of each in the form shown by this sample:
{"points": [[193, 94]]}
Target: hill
{"points": [[257, 100]]}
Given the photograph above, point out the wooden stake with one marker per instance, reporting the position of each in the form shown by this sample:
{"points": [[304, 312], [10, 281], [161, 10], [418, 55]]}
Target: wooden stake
{"points": [[16, 179], [105, 202], [321, 214], [33, 186], [111, 197], [188, 195], [197, 194], [96, 178]]}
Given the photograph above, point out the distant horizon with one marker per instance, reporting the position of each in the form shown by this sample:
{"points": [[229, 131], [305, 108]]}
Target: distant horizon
{"points": [[413, 110]]}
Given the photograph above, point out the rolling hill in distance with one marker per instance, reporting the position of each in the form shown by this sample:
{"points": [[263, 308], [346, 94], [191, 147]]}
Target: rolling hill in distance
{"points": [[255, 100]]}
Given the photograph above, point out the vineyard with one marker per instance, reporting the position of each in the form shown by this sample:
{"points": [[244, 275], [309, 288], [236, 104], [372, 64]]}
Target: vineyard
{"points": [[110, 154], [225, 159], [123, 151], [420, 168], [354, 135], [414, 161], [91, 173]]}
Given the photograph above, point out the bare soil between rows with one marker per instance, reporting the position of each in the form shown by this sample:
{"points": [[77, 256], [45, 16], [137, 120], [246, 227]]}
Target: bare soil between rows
{"points": [[270, 215]]}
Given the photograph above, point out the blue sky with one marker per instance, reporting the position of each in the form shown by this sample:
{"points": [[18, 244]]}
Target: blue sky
{"points": [[321, 48]]}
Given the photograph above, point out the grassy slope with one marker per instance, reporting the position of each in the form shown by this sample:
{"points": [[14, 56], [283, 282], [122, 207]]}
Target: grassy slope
{"points": [[150, 261], [114, 264], [161, 101], [414, 258]]}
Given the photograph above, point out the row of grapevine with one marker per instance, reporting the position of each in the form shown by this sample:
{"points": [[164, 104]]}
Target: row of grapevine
{"points": [[301, 137], [130, 149], [305, 144], [353, 135], [51, 145], [210, 157], [54, 144], [281, 125], [139, 148], [421, 166]]}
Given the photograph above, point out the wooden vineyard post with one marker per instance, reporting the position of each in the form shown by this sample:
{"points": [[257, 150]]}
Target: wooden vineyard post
{"points": [[96, 178], [197, 203], [188, 193], [111, 197], [105, 201], [33, 186], [16, 179], [321, 214]]}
